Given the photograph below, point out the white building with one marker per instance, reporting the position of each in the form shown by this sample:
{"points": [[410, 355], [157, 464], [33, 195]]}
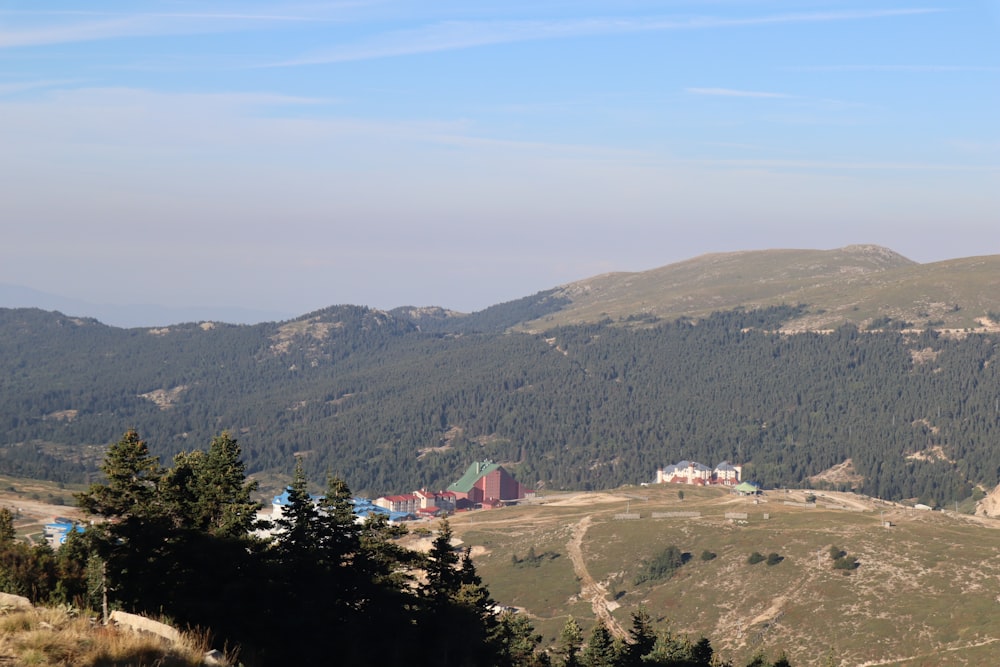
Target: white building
{"points": [[685, 472], [727, 473], [692, 472]]}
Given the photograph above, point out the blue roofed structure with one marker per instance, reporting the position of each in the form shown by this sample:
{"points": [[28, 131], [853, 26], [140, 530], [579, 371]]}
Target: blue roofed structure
{"points": [[283, 500], [59, 529], [363, 508]]}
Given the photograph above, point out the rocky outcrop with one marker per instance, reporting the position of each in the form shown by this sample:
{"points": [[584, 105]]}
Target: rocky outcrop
{"points": [[9, 601], [142, 624], [990, 505]]}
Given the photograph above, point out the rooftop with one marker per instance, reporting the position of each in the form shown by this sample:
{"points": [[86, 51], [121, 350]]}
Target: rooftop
{"points": [[472, 475]]}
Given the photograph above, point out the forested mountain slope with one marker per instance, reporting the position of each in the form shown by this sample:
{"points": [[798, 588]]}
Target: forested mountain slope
{"points": [[389, 407]]}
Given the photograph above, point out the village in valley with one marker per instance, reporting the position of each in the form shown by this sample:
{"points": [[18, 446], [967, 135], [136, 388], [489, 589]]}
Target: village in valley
{"points": [[488, 485]]}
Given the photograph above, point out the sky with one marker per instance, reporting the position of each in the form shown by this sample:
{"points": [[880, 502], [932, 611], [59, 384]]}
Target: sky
{"points": [[289, 156]]}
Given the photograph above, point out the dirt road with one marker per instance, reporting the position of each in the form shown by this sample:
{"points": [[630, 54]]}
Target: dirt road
{"points": [[590, 590], [37, 511]]}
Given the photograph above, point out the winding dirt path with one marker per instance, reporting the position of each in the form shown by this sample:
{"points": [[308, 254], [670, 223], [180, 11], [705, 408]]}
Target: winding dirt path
{"points": [[590, 590]]}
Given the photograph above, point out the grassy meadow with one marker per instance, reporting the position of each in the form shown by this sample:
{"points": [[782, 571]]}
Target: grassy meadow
{"points": [[926, 591], [855, 284]]}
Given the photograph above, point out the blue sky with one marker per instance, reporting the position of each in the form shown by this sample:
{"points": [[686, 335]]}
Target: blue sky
{"points": [[294, 155]]}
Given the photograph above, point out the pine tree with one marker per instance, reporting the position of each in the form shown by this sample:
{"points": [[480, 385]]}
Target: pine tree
{"points": [[224, 505], [570, 642], [341, 538], [7, 532], [600, 650], [670, 649], [642, 638], [297, 579], [473, 595], [132, 474], [299, 531], [135, 543], [443, 575], [702, 652], [517, 642], [341, 583], [382, 562], [782, 661], [459, 610]]}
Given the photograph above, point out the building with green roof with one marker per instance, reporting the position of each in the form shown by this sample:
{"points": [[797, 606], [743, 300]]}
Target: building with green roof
{"points": [[747, 489], [486, 483]]}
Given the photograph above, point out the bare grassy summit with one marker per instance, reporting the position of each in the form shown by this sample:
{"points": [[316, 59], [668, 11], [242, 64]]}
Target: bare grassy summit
{"points": [[867, 285]]}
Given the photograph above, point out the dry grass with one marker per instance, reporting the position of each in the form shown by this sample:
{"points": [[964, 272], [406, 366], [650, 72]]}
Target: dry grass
{"points": [[62, 638], [855, 284], [927, 591]]}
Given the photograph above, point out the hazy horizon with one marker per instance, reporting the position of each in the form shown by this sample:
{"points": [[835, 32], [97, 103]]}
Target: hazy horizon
{"points": [[148, 314], [284, 157]]}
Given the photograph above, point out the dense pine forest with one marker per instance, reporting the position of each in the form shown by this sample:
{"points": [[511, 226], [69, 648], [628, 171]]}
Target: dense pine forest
{"points": [[390, 402]]}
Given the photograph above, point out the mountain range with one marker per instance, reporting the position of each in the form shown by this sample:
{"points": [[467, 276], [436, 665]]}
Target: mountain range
{"points": [[789, 361], [132, 315]]}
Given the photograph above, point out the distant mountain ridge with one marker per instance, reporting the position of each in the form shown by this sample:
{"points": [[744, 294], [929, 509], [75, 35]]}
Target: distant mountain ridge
{"points": [[865, 285], [858, 284], [132, 315]]}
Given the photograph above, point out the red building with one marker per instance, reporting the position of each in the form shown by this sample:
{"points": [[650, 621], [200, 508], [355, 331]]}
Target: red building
{"points": [[486, 483]]}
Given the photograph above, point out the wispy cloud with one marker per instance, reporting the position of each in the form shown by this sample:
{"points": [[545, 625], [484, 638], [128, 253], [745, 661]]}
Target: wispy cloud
{"points": [[87, 26], [893, 68], [453, 35], [13, 87], [729, 92], [78, 32], [849, 166], [188, 15], [975, 147]]}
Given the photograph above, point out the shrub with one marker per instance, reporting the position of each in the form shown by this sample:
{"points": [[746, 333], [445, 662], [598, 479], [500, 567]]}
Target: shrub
{"points": [[663, 565], [532, 559], [836, 552], [774, 558], [880, 323], [707, 555], [846, 563], [756, 557]]}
